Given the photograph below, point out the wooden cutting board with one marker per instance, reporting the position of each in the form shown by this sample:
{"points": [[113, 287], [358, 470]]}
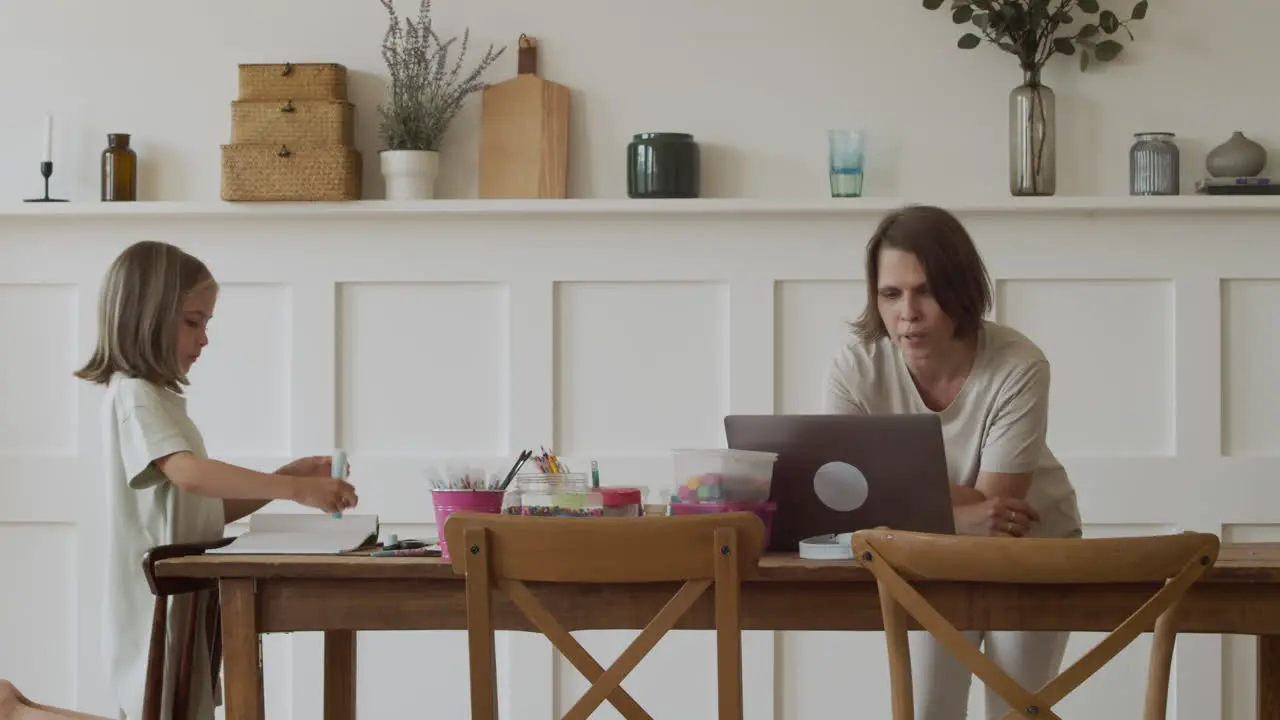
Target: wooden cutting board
{"points": [[524, 133]]}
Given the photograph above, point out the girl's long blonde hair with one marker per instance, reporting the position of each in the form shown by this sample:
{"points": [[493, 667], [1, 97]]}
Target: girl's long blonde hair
{"points": [[138, 311]]}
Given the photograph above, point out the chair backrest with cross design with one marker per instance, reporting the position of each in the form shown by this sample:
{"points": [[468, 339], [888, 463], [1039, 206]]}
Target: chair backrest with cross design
{"points": [[701, 553], [898, 559]]}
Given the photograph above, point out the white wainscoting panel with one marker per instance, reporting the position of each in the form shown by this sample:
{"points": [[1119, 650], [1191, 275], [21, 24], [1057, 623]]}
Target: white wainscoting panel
{"points": [[422, 367], [1251, 397], [1114, 325], [37, 628], [421, 335], [245, 393], [38, 325]]}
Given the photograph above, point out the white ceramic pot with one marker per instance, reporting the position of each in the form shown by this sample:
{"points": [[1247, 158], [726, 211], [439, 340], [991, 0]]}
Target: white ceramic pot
{"points": [[410, 174]]}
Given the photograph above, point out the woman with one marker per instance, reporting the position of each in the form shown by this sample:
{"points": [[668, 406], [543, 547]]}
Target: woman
{"points": [[922, 345]]}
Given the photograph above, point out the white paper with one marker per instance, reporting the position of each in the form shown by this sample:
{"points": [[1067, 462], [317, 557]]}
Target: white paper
{"points": [[302, 534]]}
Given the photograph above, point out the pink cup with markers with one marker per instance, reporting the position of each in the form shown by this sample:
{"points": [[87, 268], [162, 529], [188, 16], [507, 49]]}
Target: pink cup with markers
{"points": [[448, 501]]}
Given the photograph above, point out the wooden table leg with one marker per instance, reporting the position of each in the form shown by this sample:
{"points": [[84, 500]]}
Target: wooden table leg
{"points": [[1269, 677], [241, 651], [339, 675]]}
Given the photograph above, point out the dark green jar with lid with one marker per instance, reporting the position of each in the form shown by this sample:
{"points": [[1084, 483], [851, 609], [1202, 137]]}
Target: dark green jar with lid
{"points": [[663, 165]]}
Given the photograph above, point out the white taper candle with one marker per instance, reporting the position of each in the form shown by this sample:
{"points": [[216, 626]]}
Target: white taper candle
{"points": [[48, 139]]}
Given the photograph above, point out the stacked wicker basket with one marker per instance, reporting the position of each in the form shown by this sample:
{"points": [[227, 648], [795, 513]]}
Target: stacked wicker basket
{"points": [[292, 136]]}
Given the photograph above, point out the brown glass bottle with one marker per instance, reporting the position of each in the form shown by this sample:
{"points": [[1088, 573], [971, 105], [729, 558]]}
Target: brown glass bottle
{"points": [[119, 169]]}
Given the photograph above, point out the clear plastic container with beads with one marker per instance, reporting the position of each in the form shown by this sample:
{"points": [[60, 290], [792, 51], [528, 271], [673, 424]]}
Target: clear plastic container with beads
{"points": [[553, 495]]}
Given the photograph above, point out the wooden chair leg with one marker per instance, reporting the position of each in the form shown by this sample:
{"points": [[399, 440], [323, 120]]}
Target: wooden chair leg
{"points": [[157, 653], [1159, 668], [728, 605], [193, 593], [213, 619], [186, 658], [155, 661], [895, 632]]}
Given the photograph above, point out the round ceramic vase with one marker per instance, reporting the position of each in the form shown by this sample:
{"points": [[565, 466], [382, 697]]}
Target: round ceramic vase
{"points": [[1237, 157]]}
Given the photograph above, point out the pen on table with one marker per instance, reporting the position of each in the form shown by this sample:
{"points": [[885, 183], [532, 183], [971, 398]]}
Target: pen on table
{"points": [[406, 552]]}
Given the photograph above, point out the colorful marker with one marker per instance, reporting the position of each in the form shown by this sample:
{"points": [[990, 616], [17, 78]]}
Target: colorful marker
{"points": [[339, 470]]}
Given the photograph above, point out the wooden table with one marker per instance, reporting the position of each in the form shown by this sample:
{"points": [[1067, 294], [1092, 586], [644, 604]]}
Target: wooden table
{"points": [[343, 594]]}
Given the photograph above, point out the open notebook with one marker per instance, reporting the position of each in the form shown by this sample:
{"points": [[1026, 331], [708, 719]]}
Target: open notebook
{"points": [[302, 534]]}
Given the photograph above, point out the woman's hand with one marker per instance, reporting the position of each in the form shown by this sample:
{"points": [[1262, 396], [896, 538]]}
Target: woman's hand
{"points": [[321, 465], [999, 516]]}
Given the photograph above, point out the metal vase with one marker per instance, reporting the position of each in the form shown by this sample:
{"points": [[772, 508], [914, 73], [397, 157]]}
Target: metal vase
{"points": [[1032, 139]]}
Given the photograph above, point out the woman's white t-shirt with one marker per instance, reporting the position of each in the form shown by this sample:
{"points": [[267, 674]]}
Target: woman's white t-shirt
{"points": [[140, 423], [997, 423]]}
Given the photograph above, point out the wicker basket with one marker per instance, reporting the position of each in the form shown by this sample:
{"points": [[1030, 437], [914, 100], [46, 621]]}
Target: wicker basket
{"points": [[300, 122], [317, 173], [287, 81]]}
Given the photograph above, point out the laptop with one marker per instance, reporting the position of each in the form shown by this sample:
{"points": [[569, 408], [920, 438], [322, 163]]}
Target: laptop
{"points": [[840, 473]]}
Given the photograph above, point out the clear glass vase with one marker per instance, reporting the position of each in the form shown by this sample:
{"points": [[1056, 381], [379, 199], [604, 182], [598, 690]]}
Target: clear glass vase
{"points": [[1032, 138]]}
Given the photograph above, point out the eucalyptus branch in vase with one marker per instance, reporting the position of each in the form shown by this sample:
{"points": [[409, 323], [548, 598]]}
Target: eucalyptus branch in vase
{"points": [[1034, 31]]}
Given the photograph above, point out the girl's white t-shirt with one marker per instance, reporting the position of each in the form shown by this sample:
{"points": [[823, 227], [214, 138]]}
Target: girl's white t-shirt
{"points": [[997, 423], [140, 423]]}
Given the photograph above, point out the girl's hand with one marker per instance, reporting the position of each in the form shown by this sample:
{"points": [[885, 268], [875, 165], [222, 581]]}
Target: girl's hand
{"points": [[313, 465], [998, 516], [325, 493]]}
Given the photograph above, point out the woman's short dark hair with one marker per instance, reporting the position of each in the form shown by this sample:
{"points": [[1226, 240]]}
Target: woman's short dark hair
{"points": [[953, 268]]}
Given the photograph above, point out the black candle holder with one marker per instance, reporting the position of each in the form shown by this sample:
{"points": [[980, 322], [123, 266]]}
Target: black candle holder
{"points": [[46, 170]]}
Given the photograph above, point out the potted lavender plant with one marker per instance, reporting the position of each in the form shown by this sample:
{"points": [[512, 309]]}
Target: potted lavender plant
{"points": [[425, 95]]}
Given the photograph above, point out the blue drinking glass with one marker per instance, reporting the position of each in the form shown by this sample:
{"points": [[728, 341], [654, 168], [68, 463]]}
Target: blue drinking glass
{"points": [[845, 159]]}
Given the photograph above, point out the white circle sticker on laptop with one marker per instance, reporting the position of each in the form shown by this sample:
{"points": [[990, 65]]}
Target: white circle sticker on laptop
{"points": [[840, 486]]}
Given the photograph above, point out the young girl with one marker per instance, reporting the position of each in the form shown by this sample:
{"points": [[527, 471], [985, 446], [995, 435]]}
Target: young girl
{"points": [[162, 488]]}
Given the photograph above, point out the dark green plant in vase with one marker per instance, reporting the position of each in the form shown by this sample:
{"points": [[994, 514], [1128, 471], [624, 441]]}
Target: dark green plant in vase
{"points": [[1034, 31]]}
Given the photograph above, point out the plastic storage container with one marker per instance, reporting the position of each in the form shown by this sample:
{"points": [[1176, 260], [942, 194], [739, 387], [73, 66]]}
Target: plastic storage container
{"points": [[622, 501], [553, 495], [763, 510], [723, 476], [661, 507]]}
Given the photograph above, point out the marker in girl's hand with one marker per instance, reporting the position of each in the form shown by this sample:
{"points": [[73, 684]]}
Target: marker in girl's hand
{"points": [[339, 470]]}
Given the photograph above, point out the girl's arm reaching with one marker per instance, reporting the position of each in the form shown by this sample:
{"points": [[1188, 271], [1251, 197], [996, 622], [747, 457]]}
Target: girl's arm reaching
{"points": [[216, 479], [213, 478]]}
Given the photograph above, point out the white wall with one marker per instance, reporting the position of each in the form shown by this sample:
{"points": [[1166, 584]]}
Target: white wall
{"points": [[412, 337], [321, 314], [758, 83]]}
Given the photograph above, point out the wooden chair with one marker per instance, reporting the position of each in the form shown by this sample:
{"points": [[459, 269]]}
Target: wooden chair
{"points": [[508, 551], [165, 589], [897, 558]]}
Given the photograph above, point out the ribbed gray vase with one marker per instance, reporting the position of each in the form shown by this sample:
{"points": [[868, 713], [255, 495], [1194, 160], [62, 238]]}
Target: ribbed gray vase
{"points": [[1032, 139]]}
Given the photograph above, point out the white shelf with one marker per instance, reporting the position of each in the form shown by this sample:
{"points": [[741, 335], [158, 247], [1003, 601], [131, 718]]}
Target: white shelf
{"points": [[624, 206]]}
